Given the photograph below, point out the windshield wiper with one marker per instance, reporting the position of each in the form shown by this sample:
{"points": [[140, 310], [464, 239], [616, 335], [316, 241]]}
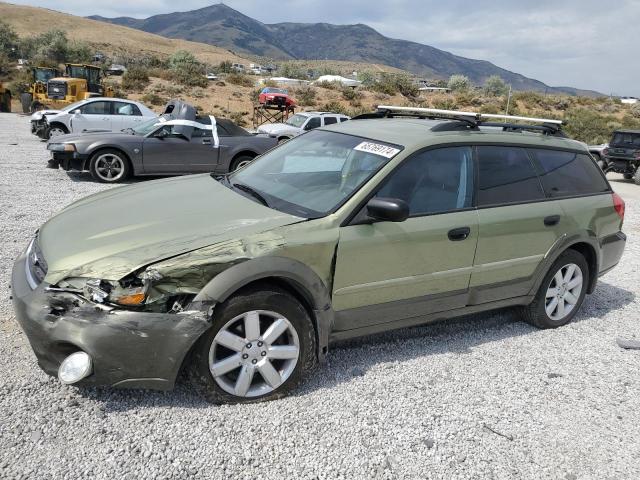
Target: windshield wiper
{"points": [[251, 191]]}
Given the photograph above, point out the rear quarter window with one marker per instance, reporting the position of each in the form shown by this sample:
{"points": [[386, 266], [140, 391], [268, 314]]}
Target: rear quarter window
{"points": [[506, 175], [568, 173]]}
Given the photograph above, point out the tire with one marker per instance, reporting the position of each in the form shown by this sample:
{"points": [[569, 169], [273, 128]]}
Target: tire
{"points": [[282, 140], [25, 100], [537, 314], [241, 161], [55, 130], [627, 176], [636, 178], [268, 305], [109, 166]]}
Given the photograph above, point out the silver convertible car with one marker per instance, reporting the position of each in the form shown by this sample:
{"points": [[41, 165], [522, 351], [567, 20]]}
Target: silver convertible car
{"points": [[178, 142]]}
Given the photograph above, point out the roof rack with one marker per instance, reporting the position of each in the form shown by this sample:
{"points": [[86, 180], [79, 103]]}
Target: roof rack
{"points": [[470, 119]]}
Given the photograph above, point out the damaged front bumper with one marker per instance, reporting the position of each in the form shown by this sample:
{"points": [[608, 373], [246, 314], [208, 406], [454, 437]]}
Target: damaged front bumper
{"points": [[70, 160], [129, 349]]}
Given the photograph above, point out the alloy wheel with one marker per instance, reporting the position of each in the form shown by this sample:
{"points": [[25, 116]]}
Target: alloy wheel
{"points": [[564, 292], [109, 167], [254, 353], [56, 132]]}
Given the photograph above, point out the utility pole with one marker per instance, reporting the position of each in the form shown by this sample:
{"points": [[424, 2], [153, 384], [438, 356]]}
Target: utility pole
{"points": [[508, 101]]}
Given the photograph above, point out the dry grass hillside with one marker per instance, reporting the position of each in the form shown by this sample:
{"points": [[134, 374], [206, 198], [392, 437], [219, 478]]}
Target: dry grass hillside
{"points": [[106, 37]]}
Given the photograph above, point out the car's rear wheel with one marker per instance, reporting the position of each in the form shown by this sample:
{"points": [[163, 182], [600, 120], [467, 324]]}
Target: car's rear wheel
{"points": [[561, 293], [240, 162], [627, 176], [109, 166], [636, 178], [261, 345]]}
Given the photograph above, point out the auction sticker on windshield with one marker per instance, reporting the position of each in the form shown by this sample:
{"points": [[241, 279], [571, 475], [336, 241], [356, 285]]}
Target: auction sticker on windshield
{"points": [[377, 149]]}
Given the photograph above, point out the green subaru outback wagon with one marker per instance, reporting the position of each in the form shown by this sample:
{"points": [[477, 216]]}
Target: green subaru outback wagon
{"points": [[406, 217]]}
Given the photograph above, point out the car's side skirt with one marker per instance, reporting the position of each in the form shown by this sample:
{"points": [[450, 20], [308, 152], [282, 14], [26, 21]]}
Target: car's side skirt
{"points": [[424, 318]]}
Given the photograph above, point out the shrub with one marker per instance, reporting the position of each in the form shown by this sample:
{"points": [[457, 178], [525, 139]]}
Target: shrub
{"points": [[135, 79], [390, 84], [153, 99], [225, 67], [187, 70], [334, 107], [445, 103], [458, 83], [329, 85], [635, 110], [8, 39], [240, 79], [238, 118], [6, 65], [305, 96], [494, 86], [351, 94], [588, 126]]}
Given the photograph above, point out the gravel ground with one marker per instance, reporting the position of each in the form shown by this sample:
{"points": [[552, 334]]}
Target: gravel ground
{"points": [[482, 397]]}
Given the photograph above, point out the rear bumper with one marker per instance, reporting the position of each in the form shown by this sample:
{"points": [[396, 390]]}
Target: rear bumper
{"points": [[129, 349], [611, 248]]}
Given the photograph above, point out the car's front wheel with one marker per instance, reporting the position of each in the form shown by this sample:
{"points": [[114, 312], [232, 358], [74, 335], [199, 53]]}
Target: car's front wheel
{"points": [[261, 345], [109, 166], [561, 293], [240, 162], [55, 130]]}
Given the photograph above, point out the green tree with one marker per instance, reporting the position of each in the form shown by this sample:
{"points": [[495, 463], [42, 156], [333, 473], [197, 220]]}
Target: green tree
{"points": [[8, 40], [458, 83], [495, 86]]}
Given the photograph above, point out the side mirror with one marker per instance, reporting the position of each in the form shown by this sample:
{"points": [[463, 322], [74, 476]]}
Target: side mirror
{"points": [[76, 112], [162, 133], [388, 209]]}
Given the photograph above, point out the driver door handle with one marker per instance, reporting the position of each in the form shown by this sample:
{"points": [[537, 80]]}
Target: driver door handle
{"points": [[551, 220], [459, 234]]}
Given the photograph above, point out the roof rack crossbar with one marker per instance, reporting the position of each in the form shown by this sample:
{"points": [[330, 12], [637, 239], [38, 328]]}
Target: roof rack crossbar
{"points": [[462, 115]]}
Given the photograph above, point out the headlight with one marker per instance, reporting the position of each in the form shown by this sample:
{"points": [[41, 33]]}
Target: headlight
{"points": [[61, 147], [103, 291]]}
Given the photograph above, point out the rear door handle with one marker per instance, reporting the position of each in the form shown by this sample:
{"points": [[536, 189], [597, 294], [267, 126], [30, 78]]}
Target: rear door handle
{"points": [[458, 234], [551, 220]]}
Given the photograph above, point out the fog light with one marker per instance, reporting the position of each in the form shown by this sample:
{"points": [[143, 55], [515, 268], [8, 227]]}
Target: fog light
{"points": [[75, 367]]}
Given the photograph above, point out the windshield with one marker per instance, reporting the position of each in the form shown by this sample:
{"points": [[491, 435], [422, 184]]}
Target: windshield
{"points": [[43, 75], [631, 139], [147, 127], [313, 174], [275, 90], [297, 120]]}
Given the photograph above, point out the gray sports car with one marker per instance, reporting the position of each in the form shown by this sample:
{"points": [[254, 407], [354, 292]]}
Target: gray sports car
{"points": [[179, 142]]}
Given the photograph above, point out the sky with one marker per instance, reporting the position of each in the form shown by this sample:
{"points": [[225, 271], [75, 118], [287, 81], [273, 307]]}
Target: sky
{"points": [[590, 44]]}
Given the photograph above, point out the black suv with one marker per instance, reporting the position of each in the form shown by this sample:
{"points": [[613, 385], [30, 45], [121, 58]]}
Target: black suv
{"points": [[623, 154]]}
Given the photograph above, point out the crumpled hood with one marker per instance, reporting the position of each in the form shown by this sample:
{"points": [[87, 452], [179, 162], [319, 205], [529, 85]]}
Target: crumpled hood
{"points": [[112, 233], [276, 128], [41, 113]]}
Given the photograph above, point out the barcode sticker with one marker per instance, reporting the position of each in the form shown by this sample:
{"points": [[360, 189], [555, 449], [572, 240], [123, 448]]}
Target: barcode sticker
{"points": [[377, 149]]}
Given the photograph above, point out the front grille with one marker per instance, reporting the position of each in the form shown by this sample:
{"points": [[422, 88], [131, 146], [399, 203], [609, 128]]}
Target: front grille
{"points": [[36, 265], [56, 90]]}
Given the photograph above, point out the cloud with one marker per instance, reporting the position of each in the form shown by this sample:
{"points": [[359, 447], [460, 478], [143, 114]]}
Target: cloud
{"points": [[580, 43]]}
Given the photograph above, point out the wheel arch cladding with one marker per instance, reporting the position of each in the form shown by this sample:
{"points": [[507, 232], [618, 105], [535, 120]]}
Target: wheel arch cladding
{"points": [[591, 256], [291, 274]]}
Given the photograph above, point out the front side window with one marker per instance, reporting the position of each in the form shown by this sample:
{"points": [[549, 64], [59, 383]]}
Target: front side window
{"points": [[312, 123], [506, 175], [96, 108], [433, 181], [314, 173], [568, 173]]}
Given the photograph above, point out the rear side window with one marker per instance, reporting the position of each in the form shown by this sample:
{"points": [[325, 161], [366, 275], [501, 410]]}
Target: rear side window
{"points": [[330, 120], [129, 109], [568, 173], [312, 123], [506, 175]]}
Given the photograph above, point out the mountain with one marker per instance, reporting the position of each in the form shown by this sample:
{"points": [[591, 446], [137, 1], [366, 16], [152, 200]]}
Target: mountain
{"points": [[225, 27]]}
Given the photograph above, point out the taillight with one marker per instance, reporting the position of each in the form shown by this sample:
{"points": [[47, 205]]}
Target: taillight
{"points": [[618, 205], [637, 154]]}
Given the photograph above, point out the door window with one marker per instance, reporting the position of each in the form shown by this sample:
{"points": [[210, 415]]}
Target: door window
{"points": [[96, 108], [434, 181], [330, 120], [312, 123], [568, 173], [128, 109], [506, 175]]}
